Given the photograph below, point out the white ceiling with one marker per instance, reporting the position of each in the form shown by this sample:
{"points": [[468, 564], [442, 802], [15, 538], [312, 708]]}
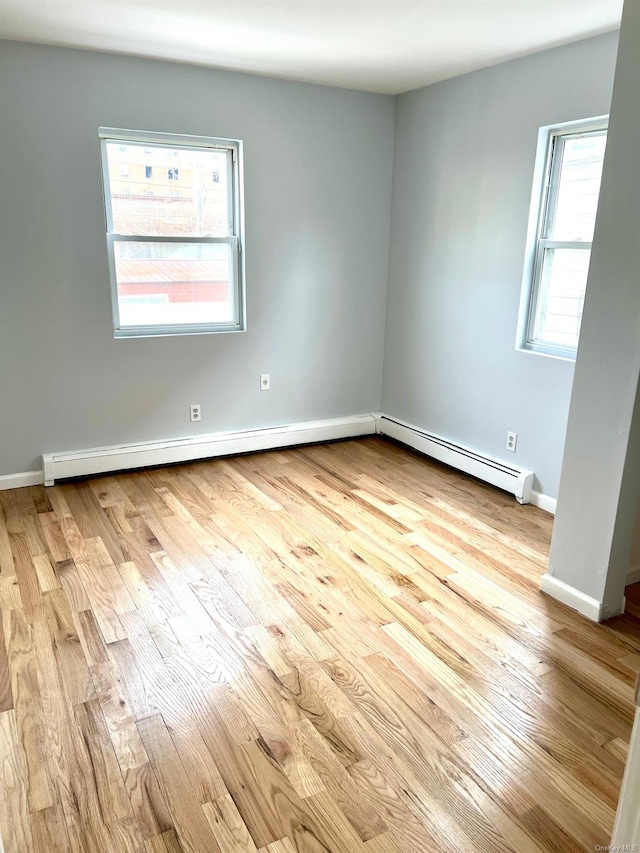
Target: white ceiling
{"points": [[377, 45]]}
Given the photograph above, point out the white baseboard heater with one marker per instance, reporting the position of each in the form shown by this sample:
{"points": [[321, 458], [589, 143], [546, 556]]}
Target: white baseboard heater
{"points": [[100, 460], [517, 481]]}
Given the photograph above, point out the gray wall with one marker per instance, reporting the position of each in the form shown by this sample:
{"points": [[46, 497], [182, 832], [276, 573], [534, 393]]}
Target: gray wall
{"points": [[463, 171], [318, 165], [600, 485]]}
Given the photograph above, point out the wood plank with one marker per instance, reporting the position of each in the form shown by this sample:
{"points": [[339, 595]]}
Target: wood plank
{"points": [[111, 692], [72, 585], [193, 830], [406, 830], [45, 572], [147, 801], [111, 793], [283, 845], [168, 842], [6, 693], [53, 537], [15, 824], [70, 657], [228, 827], [360, 814], [50, 831], [30, 591], [29, 713]]}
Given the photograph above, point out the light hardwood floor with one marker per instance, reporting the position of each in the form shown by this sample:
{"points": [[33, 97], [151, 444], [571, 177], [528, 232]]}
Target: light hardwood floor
{"points": [[339, 648]]}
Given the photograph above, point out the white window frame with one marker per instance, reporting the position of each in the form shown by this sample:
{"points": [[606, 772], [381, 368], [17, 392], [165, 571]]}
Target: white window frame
{"points": [[551, 141], [235, 239]]}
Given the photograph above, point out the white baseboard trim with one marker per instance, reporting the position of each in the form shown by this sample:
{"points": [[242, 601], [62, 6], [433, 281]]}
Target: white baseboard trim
{"points": [[545, 502], [100, 460], [589, 607], [633, 576], [17, 481]]}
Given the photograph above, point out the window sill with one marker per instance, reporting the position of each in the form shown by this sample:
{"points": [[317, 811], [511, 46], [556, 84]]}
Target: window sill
{"points": [[168, 332], [557, 356]]}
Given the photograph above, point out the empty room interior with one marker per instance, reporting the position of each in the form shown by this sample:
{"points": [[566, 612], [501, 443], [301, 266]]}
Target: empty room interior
{"points": [[319, 426]]}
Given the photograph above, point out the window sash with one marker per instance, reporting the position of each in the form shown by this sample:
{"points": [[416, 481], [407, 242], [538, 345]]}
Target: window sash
{"points": [[533, 342], [234, 237], [234, 213], [175, 328], [160, 238], [557, 144], [564, 244], [547, 211]]}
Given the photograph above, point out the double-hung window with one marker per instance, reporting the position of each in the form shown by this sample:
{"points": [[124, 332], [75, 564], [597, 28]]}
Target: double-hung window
{"points": [[176, 264], [556, 275]]}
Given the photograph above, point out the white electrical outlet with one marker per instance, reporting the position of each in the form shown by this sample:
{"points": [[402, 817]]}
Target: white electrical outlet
{"points": [[195, 412], [512, 441], [265, 381]]}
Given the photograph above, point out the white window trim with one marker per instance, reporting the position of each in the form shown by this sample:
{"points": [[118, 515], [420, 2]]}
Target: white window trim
{"points": [[235, 239], [542, 181]]}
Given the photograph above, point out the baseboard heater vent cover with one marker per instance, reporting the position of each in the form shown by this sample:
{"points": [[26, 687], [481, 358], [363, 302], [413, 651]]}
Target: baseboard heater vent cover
{"points": [[517, 481], [100, 460]]}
